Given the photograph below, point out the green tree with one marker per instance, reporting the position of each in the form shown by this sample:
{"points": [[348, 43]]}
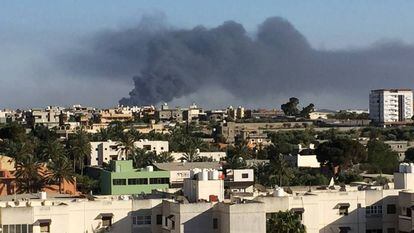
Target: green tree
{"points": [[85, 184], [409, 155], [281, 171], [30, 177], [284, 222], [291, 108], [80, 149], [381, 158], [51, 149], [307, 110], [60, 169], [342, 153], [127, 144]]}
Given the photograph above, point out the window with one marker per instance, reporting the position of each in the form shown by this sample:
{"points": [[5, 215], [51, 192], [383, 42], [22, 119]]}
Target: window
{"points": [[215, 223], [137, 181], [159, 219], [343, 210], [374, 231], [44, 227], [147, 147], [344, 229], [391, 209], [299, 212], [245, 175], [119, 181], [391, 230], [19, 228], [159, 180], [106, 221], [141, 220], [373, 210]]}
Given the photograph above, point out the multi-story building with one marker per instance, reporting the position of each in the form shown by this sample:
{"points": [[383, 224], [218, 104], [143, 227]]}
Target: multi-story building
{"points": [[104, 152], [122, 178], [390, 106]]}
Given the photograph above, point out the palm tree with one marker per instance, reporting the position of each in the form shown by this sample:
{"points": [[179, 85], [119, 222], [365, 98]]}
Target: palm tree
{"points": [[61, 170], [284, 222], [127, 144], [80, 148], [164, 157], [191, 147], [29, 175], [52, 149], [280, 169]]}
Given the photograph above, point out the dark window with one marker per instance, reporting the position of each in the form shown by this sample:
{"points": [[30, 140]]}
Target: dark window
{"points": [[408, 212], [106, 221], [159, 219], [147, 147], [245, 175], [159, 180], [173, 225], [137, 181], [343, 210], [374, 231], [44, 228], [391, 230], [119, 181], [215, 223], [391, 209], [344, 229]]}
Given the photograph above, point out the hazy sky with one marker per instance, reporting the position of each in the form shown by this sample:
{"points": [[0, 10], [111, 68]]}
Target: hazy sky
{"points": [[33, 32]]}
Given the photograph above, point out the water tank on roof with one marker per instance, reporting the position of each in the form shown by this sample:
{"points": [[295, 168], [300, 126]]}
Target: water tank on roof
{"points": [[410, 168], [42, 195], [279, 192], [403, 167], [203, 175], [215, 175], [210, 175], [150, 168]]}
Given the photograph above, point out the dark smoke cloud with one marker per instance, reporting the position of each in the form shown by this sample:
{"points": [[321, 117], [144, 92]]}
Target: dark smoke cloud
{"points": [[168, 63]]}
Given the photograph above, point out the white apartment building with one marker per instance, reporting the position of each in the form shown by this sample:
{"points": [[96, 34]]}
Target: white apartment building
{"points": [[104, 152], [156, 146], [390, 105]]}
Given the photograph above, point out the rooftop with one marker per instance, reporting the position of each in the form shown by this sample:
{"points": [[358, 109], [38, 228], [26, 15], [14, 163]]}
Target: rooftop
{"points": [[177, 166]]}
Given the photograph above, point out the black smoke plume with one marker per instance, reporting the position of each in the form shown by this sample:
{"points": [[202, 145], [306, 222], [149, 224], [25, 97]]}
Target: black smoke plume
{"points": [[168, 63]]}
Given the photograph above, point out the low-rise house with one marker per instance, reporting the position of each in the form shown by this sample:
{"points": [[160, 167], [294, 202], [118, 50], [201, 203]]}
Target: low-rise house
{"points": [[181, 170], [8, 185]]}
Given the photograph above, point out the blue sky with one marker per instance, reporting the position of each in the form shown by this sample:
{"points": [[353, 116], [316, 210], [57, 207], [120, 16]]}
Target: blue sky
{"points": [[29, 29]]}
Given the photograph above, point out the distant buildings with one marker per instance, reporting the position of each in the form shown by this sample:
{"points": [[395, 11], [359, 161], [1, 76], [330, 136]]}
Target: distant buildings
{"points": [[391, 106]]}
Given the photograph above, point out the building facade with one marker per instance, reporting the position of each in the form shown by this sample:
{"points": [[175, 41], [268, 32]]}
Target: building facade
{"points": [[389, 106]]}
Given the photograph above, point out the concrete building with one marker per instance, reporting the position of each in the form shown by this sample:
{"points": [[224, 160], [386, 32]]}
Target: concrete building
{"points": [[104, 152], [48, 117], [167, 114], [181, 170], [122, 179], [303, 157], [400, 147], [215, 155], [390, 106], [155, 146]]}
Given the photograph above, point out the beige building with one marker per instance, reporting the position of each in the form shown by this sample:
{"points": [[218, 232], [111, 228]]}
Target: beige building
{"points": [[104, 152]]}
